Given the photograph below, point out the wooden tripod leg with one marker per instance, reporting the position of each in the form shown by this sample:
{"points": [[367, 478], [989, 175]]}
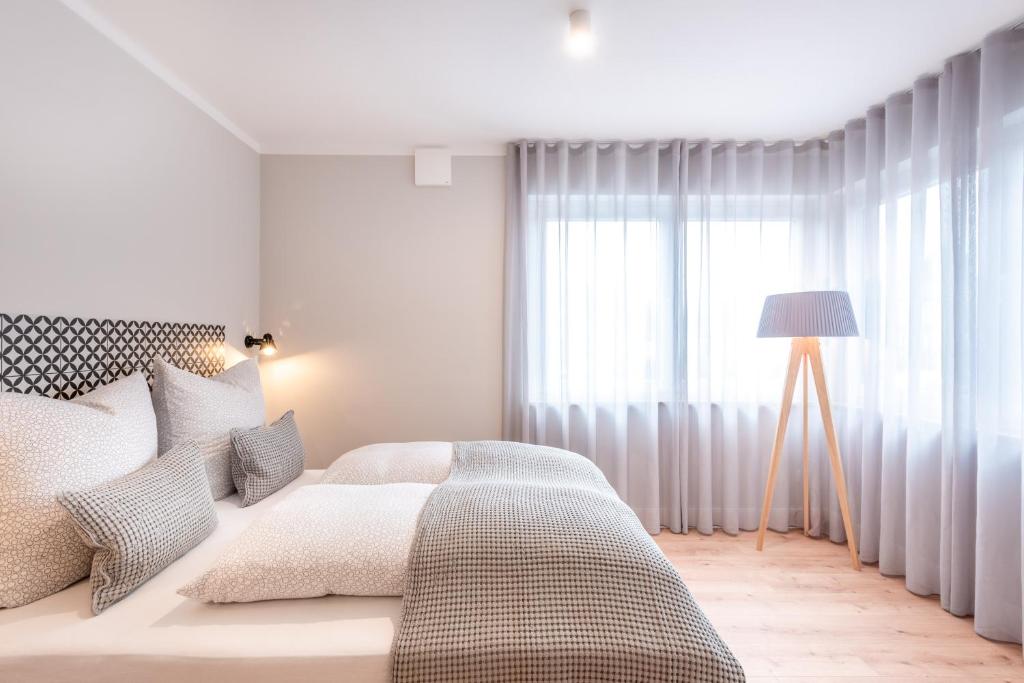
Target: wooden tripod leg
{"points": [[795, 355], [814, 350], [807, 461]]}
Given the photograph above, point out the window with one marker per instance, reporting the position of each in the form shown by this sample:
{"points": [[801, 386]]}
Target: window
{"points": [[608, 298], [633, 310]]}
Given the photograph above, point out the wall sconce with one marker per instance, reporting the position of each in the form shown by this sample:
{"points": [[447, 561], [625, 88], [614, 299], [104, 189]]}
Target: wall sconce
{"points": [[265, 344]]}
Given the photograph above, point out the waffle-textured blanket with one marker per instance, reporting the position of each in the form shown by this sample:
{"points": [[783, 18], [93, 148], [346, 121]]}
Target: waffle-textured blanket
{"points": [[528, 567]]}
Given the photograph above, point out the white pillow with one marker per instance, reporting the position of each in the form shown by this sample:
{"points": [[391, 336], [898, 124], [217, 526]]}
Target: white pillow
{"points": [[205, 410], [425, 462], [47, 447], [320, 540]]}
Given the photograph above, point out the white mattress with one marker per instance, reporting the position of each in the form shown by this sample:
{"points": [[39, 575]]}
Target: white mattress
{"points": [[157, 635]]}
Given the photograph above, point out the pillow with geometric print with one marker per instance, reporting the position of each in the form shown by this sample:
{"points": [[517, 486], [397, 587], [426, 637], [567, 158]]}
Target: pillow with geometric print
{"points": [[48, 446]]}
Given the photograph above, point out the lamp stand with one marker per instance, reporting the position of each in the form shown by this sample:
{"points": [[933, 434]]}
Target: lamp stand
{"points": [[807, 350]]}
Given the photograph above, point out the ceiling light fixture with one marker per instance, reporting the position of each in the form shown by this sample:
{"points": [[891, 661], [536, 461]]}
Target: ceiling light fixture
{"points": [[580, 41]]}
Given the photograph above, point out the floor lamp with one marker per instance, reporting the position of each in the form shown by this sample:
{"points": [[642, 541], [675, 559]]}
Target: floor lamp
{"points": [[806, 316]]}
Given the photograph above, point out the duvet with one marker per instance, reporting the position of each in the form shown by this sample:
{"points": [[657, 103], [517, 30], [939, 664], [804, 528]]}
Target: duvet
{"points": [[326, 539]]}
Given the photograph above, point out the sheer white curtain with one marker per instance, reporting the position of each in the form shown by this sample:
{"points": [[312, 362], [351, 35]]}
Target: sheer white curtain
{"points": [[635, 274]]}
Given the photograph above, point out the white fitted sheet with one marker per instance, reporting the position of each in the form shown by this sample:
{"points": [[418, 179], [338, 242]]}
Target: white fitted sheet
{"points": [[157, 635]]}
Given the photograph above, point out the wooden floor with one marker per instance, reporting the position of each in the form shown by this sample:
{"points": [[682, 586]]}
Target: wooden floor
{"points": [[798, 612]]}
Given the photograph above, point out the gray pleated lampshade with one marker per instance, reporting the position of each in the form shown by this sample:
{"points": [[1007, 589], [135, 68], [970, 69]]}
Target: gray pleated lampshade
{"points": [[808, 314]]}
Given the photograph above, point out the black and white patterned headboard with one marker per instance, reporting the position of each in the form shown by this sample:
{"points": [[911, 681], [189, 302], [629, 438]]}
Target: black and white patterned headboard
{"points": [[67, 357]]}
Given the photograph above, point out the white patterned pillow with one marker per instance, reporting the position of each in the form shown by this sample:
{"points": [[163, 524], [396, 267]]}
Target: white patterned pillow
{"points": [[143, 521], [206, 409], [48, 446], [320, 540], [266, 458], [424, 462]]}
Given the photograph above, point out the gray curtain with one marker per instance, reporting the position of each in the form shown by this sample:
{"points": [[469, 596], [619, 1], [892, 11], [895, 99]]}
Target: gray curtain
{"points": [[635, 274]]}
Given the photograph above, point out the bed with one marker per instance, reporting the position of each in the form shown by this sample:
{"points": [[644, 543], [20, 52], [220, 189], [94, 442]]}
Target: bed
{"points": [[157, 635], [518, 563]]}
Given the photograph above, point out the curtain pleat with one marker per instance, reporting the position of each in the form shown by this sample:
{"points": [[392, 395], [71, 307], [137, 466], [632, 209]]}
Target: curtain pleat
{"points": [[634, 280], [1000, 354]]}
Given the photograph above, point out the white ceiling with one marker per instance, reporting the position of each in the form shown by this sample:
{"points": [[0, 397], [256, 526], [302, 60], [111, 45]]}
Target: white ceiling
{"points": [[384, 76]]}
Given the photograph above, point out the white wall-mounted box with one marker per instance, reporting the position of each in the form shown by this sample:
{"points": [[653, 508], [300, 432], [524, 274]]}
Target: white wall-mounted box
{"points": [[433, 167]]}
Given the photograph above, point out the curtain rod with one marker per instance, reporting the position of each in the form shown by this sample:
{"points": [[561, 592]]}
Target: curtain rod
{"points": [[1015, 25], [690, 142]]}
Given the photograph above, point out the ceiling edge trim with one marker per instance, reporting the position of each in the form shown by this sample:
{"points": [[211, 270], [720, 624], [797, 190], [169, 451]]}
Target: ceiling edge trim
{"points": [[115, 35], [481, 150]]}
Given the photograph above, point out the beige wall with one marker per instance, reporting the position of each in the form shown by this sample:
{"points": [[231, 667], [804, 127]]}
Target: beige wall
{"points": [[118, 198], [385, 299]]}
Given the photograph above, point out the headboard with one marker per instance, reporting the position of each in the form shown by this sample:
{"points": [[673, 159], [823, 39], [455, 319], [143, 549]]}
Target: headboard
{"points": [[67, 357]]}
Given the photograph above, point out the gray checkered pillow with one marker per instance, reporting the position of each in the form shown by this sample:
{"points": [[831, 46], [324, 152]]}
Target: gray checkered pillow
{"points": [[143, 521], [266, 458]]}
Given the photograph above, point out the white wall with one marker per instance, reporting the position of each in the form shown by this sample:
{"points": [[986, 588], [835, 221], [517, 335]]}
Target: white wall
{"points": [[385, 299], [118, 198]]}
